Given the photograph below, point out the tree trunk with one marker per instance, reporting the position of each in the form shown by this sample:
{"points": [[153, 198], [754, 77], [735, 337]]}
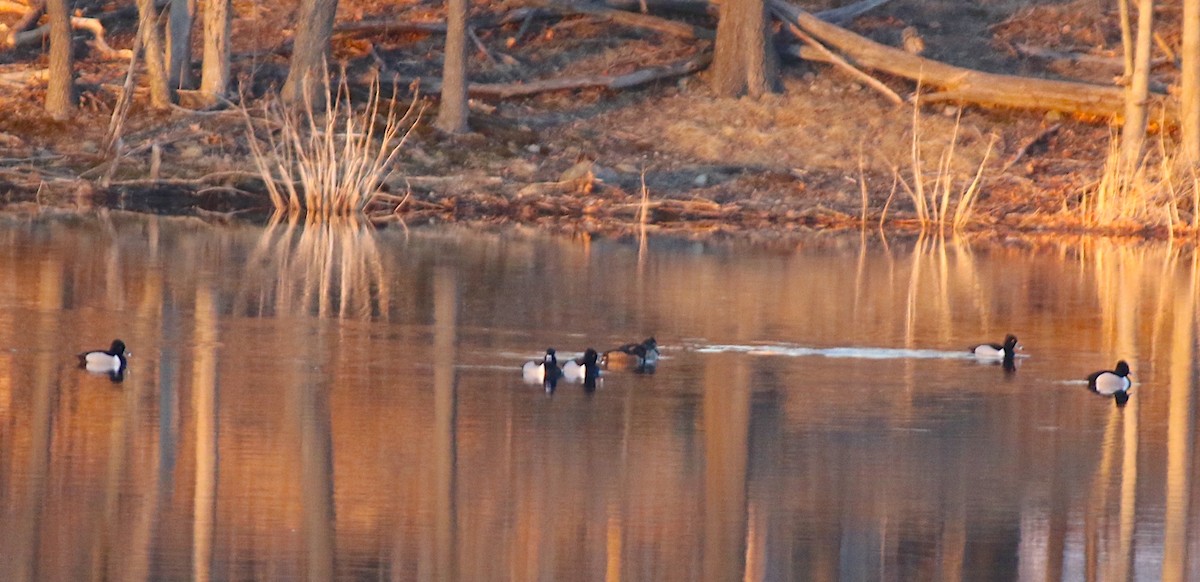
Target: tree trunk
{"points": [[214, 73], [156, 69], [60, 95], [307, 67], [1133, 133], [1190, 84], [179, 44], [452, 111], [744, 61]]}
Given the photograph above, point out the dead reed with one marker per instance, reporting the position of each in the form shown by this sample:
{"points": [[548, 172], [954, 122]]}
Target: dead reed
{"points": [[941, 198], [1156, 190], [328, 160]]}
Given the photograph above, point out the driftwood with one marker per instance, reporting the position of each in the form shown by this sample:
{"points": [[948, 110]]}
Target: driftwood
{"points": [[204, 180], [968, 85]]}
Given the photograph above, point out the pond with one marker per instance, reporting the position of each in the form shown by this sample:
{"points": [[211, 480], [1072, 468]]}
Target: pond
{"points": [[339, 403]]}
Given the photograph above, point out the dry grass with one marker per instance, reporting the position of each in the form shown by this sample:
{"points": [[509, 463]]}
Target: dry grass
{"points": [[1155, 190], [328, 160], [941, 198]]}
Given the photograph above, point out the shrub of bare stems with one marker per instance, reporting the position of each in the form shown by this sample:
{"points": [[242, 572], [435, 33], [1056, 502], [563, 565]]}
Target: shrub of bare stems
{"points": [[327, 160], [1158, 189], [941, 199]]}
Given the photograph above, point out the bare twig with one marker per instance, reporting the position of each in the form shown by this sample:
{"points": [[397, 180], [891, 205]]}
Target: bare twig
{"points": [[838, 61], [1041, 136], [205, 180], [483, 49], [116, 123]]}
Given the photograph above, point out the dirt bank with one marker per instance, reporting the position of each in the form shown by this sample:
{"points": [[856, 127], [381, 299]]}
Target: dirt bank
{"points": [[814, 156]]}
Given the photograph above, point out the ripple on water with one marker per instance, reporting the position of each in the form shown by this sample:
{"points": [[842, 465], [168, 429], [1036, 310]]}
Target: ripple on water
{"points": [[834, 352]]}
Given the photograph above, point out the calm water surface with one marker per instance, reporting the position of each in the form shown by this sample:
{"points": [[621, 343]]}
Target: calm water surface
{"points": [[340, 404]]}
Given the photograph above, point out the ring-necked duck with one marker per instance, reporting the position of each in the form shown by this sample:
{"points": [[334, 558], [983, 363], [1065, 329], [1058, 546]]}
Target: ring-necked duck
{"points": [[113, 361], [544, 371], [583, 369], [639, 357], [1115, 383], [996, 351]]}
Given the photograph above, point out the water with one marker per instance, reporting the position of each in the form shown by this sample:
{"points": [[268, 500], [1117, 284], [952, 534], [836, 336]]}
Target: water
{"points": [[319, 404]]}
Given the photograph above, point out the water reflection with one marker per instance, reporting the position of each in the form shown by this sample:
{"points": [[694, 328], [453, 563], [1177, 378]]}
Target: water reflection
{"points": [[321, 267], [337, 403]]}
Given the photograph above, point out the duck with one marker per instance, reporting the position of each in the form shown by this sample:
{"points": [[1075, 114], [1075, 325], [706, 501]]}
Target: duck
{"points": [[544, 371], [583, 369], [996, 351], [1115, 382], [112, 361], [641, 357]]}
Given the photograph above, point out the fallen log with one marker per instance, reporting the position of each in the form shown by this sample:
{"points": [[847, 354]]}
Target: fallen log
{"points": [[844, 14], [433, 85], [25, 77], [14, 7], [30, 15], [91, 25], [378, 26], [1073, 58], [612, 82], [636, 20], [839, 15], [968, 85], [630, 19]]}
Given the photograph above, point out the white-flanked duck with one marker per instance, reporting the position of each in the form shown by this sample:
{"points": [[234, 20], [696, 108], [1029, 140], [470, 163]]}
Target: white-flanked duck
{"points": [[112, 361], [585, 368], [1115, 383], [544, 371], [996, 351]]}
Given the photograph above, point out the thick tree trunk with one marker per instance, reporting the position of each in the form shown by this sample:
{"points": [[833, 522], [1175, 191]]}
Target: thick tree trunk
{"points": [[179, 44], [1190, 84], [60, 95], [744, 62], [1133, 132], [452, 111], [214, 72], [156, 69], [307, 67]]}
